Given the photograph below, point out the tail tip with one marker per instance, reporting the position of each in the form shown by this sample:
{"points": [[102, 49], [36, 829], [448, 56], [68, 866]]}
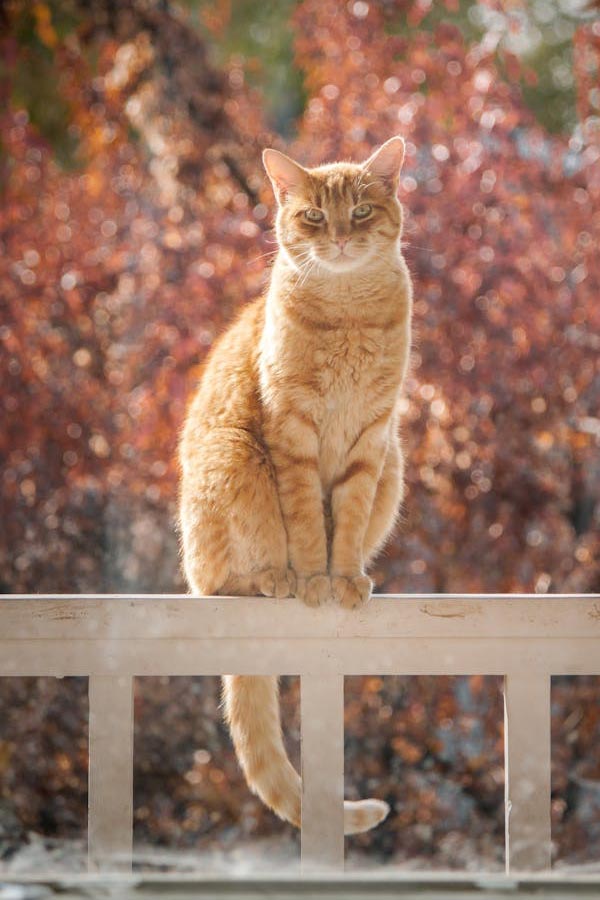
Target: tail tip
{"points": [[364, 815], [379, 810]]}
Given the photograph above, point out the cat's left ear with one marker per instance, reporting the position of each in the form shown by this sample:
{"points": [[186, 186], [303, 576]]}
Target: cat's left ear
{"points": [[386, 163], [287, 176]]}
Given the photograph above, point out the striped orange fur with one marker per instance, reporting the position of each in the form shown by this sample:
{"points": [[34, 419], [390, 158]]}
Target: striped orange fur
{"points": [[290, 455]]}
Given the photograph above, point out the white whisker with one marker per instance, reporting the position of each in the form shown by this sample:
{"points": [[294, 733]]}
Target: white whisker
{"points": [[416, 246], [363, 187], [261, 256]]}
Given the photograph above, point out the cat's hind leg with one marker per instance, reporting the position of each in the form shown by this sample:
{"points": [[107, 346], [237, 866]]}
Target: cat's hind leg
{"points": [[206, 548], [271, 582], [234, 538], [388, 496], [259, 554]]}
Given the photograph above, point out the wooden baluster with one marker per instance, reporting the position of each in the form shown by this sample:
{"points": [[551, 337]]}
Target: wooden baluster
{"points": [[110, 786], [527, 766], [322, 709]]}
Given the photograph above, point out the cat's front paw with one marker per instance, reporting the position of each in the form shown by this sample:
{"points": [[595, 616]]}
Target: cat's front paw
{"points": [[314, 590], [351, 591], [278, 583]]}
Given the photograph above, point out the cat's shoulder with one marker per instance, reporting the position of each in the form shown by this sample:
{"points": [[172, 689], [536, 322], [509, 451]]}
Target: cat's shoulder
{"points": [[246, 326], [250, 317]]}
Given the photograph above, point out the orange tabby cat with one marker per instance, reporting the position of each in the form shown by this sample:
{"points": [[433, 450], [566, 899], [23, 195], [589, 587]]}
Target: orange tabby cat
{"points": [[291, 461]]}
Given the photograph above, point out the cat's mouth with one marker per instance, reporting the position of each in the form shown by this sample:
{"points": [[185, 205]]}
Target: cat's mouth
{"points": [[343, 261]]}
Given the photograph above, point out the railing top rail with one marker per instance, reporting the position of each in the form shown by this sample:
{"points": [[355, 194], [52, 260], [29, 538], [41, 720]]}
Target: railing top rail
{"points": [[181, 617]]}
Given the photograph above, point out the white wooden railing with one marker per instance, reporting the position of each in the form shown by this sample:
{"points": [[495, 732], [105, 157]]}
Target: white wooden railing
{"points": [[111, 639]]}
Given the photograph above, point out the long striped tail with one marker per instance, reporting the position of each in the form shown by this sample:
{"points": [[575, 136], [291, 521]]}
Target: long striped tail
{"points": [[252, 713]]}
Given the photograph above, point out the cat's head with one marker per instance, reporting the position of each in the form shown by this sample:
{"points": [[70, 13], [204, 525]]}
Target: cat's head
{"points": [[338, 217]]}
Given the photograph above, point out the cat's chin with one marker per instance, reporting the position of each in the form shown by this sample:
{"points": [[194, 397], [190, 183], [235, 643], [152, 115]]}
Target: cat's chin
{"points": [[343, 264]]}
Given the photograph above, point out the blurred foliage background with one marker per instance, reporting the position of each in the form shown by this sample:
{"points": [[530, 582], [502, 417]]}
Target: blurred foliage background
{"points": [[136, 219]]}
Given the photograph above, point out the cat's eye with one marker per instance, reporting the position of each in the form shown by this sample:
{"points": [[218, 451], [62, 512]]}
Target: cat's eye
{"points": [[314, 215], [362, 211]]}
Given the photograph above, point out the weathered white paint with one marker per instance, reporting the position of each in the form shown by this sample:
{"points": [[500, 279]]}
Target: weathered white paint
{"points": [[110, 779], [399, 615], [324, 656], [525, 638], [527, 772], [322, 716]]}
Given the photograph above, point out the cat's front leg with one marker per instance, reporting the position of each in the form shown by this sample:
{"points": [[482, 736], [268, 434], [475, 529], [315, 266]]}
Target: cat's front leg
{"points": [[352, 498], [294, 450]]}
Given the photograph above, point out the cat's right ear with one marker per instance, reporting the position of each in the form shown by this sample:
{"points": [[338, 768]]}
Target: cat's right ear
{"points": [[386, 162], [287, 176]]}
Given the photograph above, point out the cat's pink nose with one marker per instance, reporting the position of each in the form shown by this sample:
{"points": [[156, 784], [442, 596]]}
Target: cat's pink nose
{"points": [[341, 242]]}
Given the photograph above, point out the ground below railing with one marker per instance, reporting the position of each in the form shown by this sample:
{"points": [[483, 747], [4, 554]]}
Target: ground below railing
{"points": [[443, 887]]}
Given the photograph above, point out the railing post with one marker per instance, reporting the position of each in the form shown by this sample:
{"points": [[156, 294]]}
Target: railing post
{"points": [[110, 780], [527, 767], [322, 710]]}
